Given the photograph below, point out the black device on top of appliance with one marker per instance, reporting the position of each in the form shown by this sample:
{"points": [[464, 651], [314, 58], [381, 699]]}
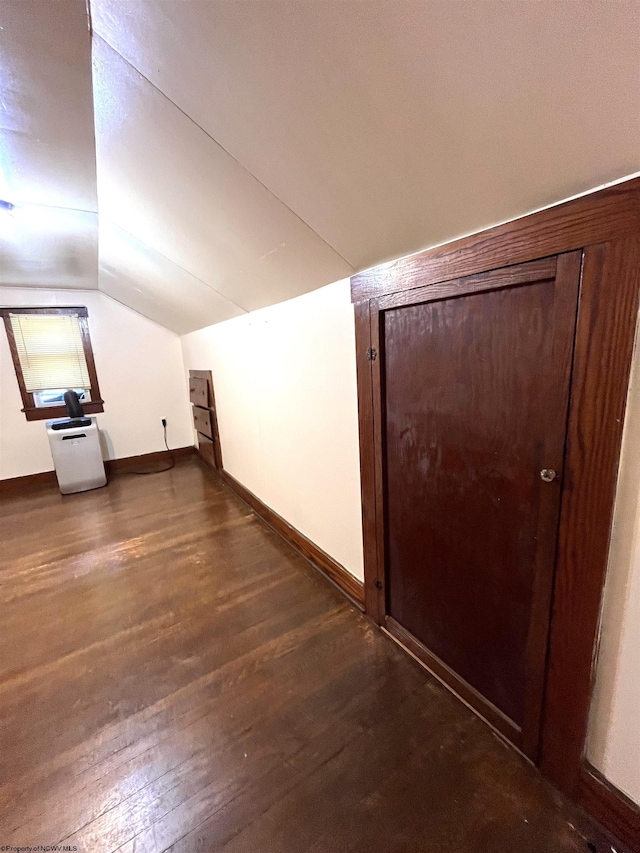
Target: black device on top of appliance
{"points": [[75, 411], [71, 423], [73, 404]]}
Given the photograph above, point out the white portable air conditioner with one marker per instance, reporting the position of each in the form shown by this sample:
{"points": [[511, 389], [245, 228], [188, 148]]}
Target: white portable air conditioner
{"points": [[77, 458]]}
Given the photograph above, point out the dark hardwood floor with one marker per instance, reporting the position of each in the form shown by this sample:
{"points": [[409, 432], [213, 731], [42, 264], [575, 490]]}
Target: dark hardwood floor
{"points": [[174, 677]]}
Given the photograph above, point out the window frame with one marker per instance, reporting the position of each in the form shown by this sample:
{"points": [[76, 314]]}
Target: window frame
{"points": [[41, 413]]}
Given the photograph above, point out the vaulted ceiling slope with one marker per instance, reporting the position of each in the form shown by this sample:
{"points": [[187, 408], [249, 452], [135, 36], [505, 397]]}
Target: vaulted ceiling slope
{"points": [[249, 152], [47, 146], [167, 183]]}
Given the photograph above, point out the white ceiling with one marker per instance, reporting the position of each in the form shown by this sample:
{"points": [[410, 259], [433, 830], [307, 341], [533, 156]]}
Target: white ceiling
{"points": [[145, 280], [251, 151], [391, 124], [47, 146], [164, 180]]}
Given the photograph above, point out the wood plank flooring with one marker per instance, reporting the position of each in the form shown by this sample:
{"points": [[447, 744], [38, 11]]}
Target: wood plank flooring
{"points": [[174, 677]]}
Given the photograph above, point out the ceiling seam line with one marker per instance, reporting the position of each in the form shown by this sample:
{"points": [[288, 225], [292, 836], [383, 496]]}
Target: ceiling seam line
{"points": [[140, 314], [54, 207], [222, 148], [184, 269]]}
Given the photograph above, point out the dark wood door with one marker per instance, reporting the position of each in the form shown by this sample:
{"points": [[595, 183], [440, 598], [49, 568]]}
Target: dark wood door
{"points": [[474, 383]]}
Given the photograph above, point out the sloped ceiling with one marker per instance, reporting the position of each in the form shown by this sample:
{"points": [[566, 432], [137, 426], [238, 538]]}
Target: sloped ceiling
{"points": [[47, 146], [249, 152], [165, 181]]}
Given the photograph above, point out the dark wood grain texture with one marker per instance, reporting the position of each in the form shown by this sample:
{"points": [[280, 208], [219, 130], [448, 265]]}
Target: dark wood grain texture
{"points": [[367, 445], [174, 677], [206, 449], [96, 396], [377, 581], [534, 271], [202, 421], [604, 344], [28, 483], [609, 806], [476, 389], [51, 412], [206, 422], [556, 383], [473, 698], [605, 225], [146, 462], [337, 574], [16, 486], [595, 218], [198, 391]]}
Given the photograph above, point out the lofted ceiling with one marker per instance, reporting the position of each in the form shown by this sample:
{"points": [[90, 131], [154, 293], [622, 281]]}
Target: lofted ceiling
{"points": [[251, 151], [47, 146]]}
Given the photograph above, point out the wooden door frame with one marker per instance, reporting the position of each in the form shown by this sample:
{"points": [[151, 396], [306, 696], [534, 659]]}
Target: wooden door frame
{"points": [[605, 226], [563, 272]]}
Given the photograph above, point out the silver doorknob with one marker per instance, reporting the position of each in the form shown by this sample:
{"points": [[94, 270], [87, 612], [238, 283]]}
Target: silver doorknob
{"points": [[548, 475]]}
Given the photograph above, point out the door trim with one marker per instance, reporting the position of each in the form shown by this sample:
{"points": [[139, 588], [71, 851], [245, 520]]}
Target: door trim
{"points": [[605, 226], [564, 271], [478, 703], [567, 284], [535, 271]]}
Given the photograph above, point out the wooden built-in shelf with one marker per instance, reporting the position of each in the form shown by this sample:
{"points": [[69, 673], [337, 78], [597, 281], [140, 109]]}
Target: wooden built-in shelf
{"points": [[204, 417]]}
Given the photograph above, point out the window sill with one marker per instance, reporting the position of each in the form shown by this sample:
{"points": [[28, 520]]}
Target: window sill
{"points": [[50, 413]]}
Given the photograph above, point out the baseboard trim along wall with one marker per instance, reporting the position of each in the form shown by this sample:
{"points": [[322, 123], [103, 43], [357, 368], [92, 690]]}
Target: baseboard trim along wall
{"points": [[134, 463], [319, 559], [29, 483], [609, 806], [32, 482]]}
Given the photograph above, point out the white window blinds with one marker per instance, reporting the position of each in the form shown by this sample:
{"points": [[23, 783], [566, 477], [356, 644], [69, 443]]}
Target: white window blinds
{"points": [[50, 351]]}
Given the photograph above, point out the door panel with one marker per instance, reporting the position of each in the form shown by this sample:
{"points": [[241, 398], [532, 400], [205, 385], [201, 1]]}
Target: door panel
{"points": [[475, 393]]}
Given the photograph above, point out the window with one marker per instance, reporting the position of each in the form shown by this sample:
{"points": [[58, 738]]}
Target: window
{"points": [[51, 352]]}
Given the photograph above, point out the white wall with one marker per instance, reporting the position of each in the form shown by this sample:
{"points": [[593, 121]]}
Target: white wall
{"points": [[141, 376], [285, 386], [614, 731]]}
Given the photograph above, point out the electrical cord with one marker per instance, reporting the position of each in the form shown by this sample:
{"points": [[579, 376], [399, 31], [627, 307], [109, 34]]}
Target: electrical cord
{"points": [[171, 464]]}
